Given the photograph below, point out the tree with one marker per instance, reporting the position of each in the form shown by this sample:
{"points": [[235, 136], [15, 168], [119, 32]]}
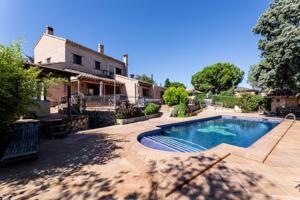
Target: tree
{"points": [[177, 85], [18, 85], [217, 78], [280, 46], [261, 76], [174, 96], [167, 83], [145, 78], [173, 84]]}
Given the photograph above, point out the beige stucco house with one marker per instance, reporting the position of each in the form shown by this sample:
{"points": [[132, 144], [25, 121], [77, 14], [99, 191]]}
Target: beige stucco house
{"points": [[99, 76]]}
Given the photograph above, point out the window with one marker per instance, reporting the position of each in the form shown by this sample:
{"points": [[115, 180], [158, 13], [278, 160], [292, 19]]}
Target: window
{"points": [[77, 59], [48, 60], [119, 71], [97, 65]]}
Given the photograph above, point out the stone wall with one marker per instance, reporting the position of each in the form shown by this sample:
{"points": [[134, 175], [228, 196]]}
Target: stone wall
{"points": [[78, 122], [98, 119]]}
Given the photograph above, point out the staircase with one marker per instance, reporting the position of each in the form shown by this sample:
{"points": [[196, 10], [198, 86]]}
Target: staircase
{"points": [[165, 110]]}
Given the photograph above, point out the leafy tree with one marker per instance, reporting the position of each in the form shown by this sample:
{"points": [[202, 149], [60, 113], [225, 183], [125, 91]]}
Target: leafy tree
{"points": [[177, 85], [167, 83], [174, 96], [145, 78], [217, 78], [261, 76], [18, 85], [280, 46]]}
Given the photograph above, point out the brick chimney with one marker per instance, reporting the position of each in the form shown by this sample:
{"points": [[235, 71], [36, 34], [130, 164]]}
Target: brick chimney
{"points": [[101, 48], [125, 60], [49, 30]]}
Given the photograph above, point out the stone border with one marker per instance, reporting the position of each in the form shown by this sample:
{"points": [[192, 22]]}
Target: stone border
{"points": [[137, 119], [257, 151]]}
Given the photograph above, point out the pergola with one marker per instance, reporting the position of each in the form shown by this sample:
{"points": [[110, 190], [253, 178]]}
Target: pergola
{"points": [[55, 72]]}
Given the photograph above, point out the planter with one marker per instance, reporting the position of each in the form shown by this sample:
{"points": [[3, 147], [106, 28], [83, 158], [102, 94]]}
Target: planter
{"points": [[137, 119]]}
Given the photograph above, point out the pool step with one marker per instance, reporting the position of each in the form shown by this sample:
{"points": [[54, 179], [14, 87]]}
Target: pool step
{"points": [[174, 144]]}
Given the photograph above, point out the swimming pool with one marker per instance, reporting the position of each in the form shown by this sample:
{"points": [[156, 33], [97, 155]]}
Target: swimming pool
{"points": [[203, 134]]}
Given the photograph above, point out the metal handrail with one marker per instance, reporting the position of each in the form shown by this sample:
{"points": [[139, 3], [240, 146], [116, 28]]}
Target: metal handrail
{"points": [[290, 115], [291, 124]]}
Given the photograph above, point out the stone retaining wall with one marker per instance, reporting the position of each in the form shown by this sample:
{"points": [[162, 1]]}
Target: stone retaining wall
{"points": [[98, 119], [78, 122]]}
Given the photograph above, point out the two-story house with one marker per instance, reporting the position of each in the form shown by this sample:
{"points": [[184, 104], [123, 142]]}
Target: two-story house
{"points": [[98, 75]]}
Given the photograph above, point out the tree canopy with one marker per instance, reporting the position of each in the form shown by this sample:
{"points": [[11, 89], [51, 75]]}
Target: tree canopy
{"points": [[217, 78], [280, 46], [176, 84], [145, 78], [18, 85]]}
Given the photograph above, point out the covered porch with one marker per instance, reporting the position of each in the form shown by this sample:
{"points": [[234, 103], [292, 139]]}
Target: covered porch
{"points": [[97, 91]]}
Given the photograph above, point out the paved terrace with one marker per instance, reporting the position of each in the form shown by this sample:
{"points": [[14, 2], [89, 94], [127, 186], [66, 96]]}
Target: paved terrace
{"points": [[109, 163]]}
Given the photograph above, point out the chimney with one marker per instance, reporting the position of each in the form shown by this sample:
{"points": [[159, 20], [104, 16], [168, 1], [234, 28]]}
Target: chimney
{"points": [[125, 60], [49, 30], [101, 48], [131, 75]]}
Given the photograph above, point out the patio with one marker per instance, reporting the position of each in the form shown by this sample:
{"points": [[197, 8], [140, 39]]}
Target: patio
{"points": [[109, 163]]}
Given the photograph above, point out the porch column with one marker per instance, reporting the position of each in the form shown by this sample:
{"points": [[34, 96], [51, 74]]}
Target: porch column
{"points": [[78, 86], [69, 96]]}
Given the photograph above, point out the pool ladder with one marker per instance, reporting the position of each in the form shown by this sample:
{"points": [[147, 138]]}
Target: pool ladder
{"points": [[291, 124]]}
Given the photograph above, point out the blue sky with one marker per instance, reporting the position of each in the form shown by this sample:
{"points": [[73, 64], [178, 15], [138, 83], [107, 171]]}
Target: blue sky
{"points": [[170, 39]]}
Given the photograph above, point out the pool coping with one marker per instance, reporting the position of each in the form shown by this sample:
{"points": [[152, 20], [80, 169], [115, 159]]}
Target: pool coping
{"points": [[257, 151]]}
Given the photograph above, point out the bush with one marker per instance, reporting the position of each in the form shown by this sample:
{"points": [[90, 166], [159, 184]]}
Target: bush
{"points": [[266, 103], [182, 110], [151, 109], [249, 102], [174, 96], [174, 112], [228, 101], [127, 110]]}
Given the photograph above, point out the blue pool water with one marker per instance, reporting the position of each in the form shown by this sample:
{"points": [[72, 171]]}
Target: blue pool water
{"points": [[207, 133]]}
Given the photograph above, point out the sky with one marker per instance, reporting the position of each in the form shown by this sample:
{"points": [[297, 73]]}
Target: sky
{"points": [[167, 38]]}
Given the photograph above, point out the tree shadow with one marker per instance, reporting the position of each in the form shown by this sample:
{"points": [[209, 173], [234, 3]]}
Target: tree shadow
{"points": [[59, 159], [90, 167]]}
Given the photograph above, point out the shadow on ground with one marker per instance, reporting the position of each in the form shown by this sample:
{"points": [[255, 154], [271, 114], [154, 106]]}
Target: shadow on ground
{"points": [[57, 160], [65, 170]]}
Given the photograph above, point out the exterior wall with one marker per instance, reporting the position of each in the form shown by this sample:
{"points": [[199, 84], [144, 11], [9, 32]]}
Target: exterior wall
{"points": [[157, 92], [49, 47], [56, 91], [284, 102], [88, 61], [130, 87]]}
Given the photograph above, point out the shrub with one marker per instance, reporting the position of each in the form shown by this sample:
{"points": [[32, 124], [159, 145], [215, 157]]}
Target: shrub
{"points": [[228, 101], [266, 103], [127, 110], [174, 112], [174, 96], [151, 109], [249, 102], [182, 110]]}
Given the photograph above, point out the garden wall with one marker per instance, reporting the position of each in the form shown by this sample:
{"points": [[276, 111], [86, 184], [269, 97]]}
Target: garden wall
{"points": [[98, 119]]}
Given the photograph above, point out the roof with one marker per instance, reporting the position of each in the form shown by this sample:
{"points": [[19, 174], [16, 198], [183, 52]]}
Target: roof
{"points": [[91, 76], [51, 69], [240, 89], [281, 93], [81, 46]]}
